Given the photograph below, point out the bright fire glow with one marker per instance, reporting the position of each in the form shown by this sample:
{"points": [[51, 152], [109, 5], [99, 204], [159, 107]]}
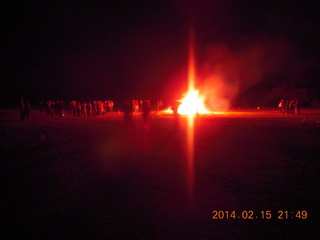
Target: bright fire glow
{"points": [[192, 104]]}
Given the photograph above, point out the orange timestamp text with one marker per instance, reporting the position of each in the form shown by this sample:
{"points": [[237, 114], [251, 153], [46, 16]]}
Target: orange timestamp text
{"points": [[264, 214]]}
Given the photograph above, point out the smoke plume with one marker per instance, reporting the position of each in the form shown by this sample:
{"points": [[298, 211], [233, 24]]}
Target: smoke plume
{"points": [[227, 72]]}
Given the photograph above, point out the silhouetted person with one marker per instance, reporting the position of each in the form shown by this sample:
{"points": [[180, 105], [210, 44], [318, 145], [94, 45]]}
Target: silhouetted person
{"points": [[49, 108], [159, 105], [22, 107], [89, 109], [140, 105], [27, 109], [287, 107], [110, 105], [175, 106], [127, 113], [281, 106], [292, 107], [297, 107]]}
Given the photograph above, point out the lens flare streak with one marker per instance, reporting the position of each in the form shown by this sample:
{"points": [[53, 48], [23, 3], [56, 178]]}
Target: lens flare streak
{"points": [[190, 155], [190, 103]]}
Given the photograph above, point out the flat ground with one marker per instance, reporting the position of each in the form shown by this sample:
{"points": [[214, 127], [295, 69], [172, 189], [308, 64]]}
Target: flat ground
{"points": [[81, 178]]}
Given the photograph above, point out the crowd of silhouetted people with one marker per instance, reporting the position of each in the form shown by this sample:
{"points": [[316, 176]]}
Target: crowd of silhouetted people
{"points": [[97, 108], [90, 108], [289, 106], [77, 108]]}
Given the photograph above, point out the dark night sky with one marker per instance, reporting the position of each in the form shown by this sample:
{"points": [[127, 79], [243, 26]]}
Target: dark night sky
{"points": [[139, 49]]}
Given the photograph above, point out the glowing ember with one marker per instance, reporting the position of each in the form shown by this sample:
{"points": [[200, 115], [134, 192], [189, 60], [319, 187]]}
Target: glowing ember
{"points": [[166, 111], [192, 104]]}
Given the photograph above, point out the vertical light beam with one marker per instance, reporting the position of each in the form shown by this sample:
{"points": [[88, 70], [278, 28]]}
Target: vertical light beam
{"points": [[191, 61], [190, 117]]}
